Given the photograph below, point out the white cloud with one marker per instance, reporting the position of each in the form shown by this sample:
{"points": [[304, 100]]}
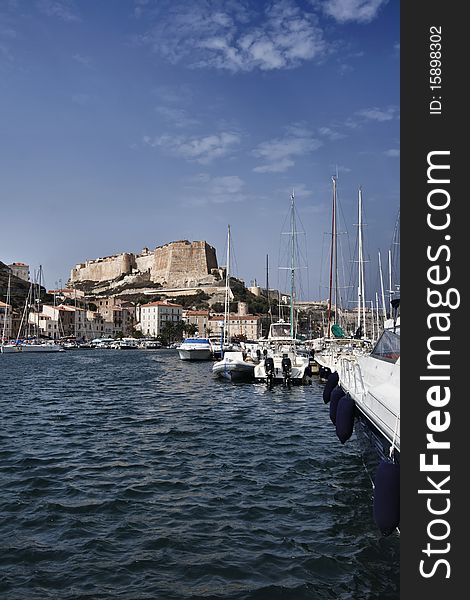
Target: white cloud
{"points": [[392, 153], [205, 189], [227, 36], [278, 154], [62, 9], [331, 134], [85, 61], [199, 149], [360, 11], [378, 114], [179, 117]]}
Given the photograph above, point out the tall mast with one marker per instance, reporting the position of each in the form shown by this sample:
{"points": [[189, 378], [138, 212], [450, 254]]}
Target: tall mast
{"points": [[377, 312], [226, 336], [332, 255], [6, 309], [382, 288], [267, 288], [361, 288], [390, 280], [292, 267]]}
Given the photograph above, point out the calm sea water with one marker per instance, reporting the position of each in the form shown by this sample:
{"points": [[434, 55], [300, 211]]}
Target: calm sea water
{"points": [[132, 474]]}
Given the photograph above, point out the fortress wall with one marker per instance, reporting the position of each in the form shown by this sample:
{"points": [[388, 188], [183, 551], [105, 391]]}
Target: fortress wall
{"points": [[191, 259], [103, 269], [176, 264], [144, 262]]}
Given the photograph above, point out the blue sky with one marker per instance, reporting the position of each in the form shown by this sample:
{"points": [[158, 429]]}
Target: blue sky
{"points": [[133, 123]]}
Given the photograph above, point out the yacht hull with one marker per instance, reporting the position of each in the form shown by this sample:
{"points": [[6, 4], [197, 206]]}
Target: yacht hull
{"points": [[234, 369], [196, 354]]}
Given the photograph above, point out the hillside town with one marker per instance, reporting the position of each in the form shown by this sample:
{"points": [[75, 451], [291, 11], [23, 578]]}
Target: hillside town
{"points": [[175, 291]]}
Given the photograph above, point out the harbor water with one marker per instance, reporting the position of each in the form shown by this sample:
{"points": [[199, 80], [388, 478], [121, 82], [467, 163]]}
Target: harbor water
{"points": [[134, 475]]}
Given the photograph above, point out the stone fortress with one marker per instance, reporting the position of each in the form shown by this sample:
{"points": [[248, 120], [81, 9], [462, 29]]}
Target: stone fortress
{"points": [[180, 264]]}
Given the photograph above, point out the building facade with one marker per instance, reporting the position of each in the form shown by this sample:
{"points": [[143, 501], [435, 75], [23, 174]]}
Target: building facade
{"points": [[20, 270], [198, 318], [155, 315], [248, 326]]}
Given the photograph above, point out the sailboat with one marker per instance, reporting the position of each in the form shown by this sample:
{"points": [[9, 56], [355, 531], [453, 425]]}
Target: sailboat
{"points": [[234, 365], [282, 362], [31, 345], [335, 344]]}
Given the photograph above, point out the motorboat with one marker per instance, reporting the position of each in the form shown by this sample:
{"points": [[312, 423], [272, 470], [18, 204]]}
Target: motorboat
{"points": [[195, 349], [125, 344], [150, 345], [236, 366], [280, 345]]}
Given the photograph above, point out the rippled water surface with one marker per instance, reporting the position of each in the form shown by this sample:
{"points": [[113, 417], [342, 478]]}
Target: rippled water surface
{"points": [[132, 474]]}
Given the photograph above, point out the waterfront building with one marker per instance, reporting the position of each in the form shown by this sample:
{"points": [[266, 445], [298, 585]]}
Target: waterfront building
{"points": [[199, 318], [245, 325], [155, 315], [61, 321], [119, 312]]}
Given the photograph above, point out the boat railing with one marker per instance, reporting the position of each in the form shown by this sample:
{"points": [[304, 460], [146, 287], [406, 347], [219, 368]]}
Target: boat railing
{"points": [[350, 376]]}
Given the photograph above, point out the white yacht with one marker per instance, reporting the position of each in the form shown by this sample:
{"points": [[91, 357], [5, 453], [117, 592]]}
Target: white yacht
{"points": [[195, 349], [22, 346], [281, 345], [373, 381]]}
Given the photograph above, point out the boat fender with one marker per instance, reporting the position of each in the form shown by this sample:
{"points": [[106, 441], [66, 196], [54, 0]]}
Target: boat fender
{"points": [[345, 418], [387, 497], [331, 382], [335, 397]]}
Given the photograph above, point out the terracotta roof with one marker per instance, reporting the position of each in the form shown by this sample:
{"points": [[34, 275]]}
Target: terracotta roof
{"points": [[236, 318], [161, 304], [197, 313]]}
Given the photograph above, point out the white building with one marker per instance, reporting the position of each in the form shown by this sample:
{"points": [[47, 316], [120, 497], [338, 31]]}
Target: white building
{"points": [[20, 270], [61, 321], [248, 326], [155, 315]]}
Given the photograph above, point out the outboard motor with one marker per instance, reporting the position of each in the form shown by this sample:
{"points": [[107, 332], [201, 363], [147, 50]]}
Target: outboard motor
{"points": [[269, 370], [286, 365]]}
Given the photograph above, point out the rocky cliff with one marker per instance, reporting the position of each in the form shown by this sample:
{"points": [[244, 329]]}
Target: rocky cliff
{"points": [[19, 288]]}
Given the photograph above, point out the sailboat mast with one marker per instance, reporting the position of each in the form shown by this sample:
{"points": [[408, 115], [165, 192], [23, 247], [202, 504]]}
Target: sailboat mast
{"points": [[382, 288], [267, 289], [390, 279], [292, 267], [361, 308], [8, 300], [336, 255], [226, 336], [359, 251], [363, 287], [332, 252]]}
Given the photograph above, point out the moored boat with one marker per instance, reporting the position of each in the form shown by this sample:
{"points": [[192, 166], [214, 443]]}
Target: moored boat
{"points": [[195, 349], [235, 366]]}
